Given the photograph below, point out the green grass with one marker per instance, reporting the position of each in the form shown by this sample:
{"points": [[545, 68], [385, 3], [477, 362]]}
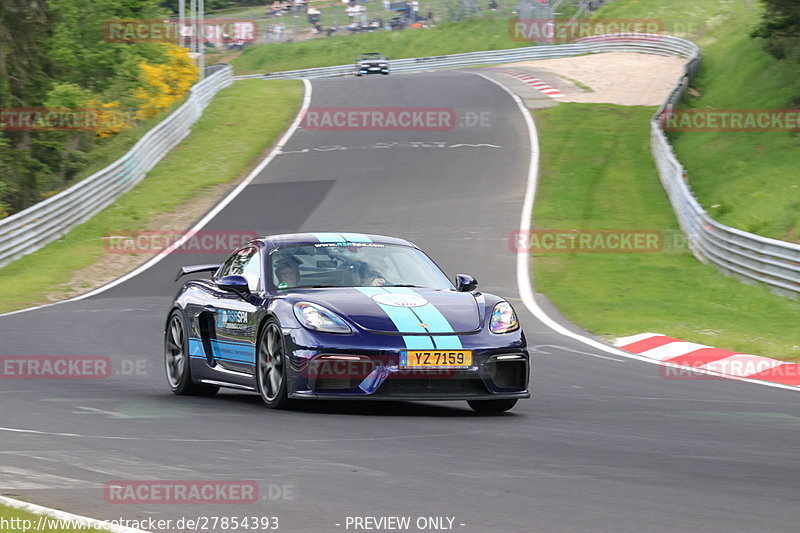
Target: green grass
{"points": [[487, 33], [690, 19], [51, 525], [747, 180], [238, 125], [597, 173]]}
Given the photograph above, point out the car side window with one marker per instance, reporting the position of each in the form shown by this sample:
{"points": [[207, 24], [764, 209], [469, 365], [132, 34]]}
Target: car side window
{"points": [[245, 262], [252, 270]]}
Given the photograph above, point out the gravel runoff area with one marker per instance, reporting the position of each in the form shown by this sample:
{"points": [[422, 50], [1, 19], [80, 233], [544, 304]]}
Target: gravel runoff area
{"points": [[621, 78]]}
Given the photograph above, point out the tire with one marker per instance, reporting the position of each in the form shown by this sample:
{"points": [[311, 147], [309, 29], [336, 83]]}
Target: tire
{"points": [[176, 359], [492, 406], [271, 370]]}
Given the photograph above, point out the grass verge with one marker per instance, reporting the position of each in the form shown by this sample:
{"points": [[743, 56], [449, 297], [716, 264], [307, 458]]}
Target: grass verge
{"points": [[747, 180], [238, 125], [471, 35], [597, 173], [25, 521]]}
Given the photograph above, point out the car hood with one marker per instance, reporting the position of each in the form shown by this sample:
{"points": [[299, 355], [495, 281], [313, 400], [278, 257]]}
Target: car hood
{"points": [[400, 310]]}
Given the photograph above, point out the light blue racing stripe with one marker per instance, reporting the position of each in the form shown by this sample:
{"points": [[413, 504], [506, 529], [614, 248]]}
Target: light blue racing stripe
{"points": [[404, 320], [448, 342], [435, 320], [328, 237], [371, 291], [418, 342], [355, 237]]}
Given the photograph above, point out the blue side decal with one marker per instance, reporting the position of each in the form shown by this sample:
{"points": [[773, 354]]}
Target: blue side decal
{"points": [[355, 237], [235, 353], [328, 237], [196, 349]]}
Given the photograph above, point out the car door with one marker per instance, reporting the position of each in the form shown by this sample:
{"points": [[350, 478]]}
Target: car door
{"points": [[234, 319]]}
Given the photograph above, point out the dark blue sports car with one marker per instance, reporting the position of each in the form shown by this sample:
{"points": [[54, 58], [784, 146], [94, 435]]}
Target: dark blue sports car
{"points": [[343, 316]]}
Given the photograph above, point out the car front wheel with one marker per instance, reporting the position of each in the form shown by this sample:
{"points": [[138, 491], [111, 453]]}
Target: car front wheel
{"points": [[272, 375]]}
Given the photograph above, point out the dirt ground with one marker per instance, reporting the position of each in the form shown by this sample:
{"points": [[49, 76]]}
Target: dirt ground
{"points": [[621, 78]]}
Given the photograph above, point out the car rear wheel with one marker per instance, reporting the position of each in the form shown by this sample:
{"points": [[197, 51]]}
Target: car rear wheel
{"points": [[271, 375], [492, 406], [176, 360]]}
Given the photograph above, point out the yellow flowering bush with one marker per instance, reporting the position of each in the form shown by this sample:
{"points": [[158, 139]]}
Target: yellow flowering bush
{"points": [[113, 120], [165, 83]]}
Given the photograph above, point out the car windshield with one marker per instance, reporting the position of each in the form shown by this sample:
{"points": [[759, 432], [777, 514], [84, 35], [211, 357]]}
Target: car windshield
{"points": [[353, 265], [372, 56]]}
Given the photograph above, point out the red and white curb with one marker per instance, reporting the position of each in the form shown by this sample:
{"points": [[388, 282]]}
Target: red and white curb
{"points": [[724, 362], [536, 83]]}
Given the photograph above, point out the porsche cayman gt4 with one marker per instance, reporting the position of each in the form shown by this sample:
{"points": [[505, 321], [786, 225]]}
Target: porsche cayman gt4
{"points": [[343, 316]]}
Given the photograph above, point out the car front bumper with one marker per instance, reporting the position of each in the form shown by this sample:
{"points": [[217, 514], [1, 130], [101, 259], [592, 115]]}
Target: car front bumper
{"points": [[326, 371]]}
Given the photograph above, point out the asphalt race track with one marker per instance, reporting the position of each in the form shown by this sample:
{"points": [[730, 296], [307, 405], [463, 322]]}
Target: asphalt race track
{"points": [[605, 445]]}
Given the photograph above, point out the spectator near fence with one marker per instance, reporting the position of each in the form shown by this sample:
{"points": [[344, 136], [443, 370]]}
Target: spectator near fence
{"points": [[361, 13]]}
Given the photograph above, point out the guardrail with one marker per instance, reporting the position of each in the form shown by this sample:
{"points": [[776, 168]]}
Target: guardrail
{"points": [[652, 44], [30, 229], [745, 255]]}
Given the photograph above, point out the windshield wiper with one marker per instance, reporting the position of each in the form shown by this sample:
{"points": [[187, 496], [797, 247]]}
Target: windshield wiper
{"points": [[403, 285]]}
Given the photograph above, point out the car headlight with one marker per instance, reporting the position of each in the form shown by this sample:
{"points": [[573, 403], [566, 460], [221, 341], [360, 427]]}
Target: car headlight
{"points": [[504, 319], [318, 318], [384, 65]]}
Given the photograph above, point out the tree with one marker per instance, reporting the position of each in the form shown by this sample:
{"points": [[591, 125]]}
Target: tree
{"points": [[781, 28]]}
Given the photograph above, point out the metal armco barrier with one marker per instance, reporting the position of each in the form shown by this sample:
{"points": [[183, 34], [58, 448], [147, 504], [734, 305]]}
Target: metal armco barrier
{"points": [[652, 44], [27, 231], [745, 255]]}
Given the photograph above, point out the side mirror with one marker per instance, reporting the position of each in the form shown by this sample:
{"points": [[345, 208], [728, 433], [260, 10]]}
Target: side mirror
{"points": [[465, 283], [235, 283]]}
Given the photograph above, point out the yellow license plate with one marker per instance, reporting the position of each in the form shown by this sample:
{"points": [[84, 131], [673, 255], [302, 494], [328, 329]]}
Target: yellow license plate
{"points": [[435, 358]]}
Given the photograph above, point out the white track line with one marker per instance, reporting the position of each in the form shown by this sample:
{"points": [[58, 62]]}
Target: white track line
{"points": [[67, 518], [205, 220], [523, 260]]}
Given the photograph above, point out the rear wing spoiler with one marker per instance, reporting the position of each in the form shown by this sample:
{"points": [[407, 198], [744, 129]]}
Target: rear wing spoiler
{"points": [[194, 269]]}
